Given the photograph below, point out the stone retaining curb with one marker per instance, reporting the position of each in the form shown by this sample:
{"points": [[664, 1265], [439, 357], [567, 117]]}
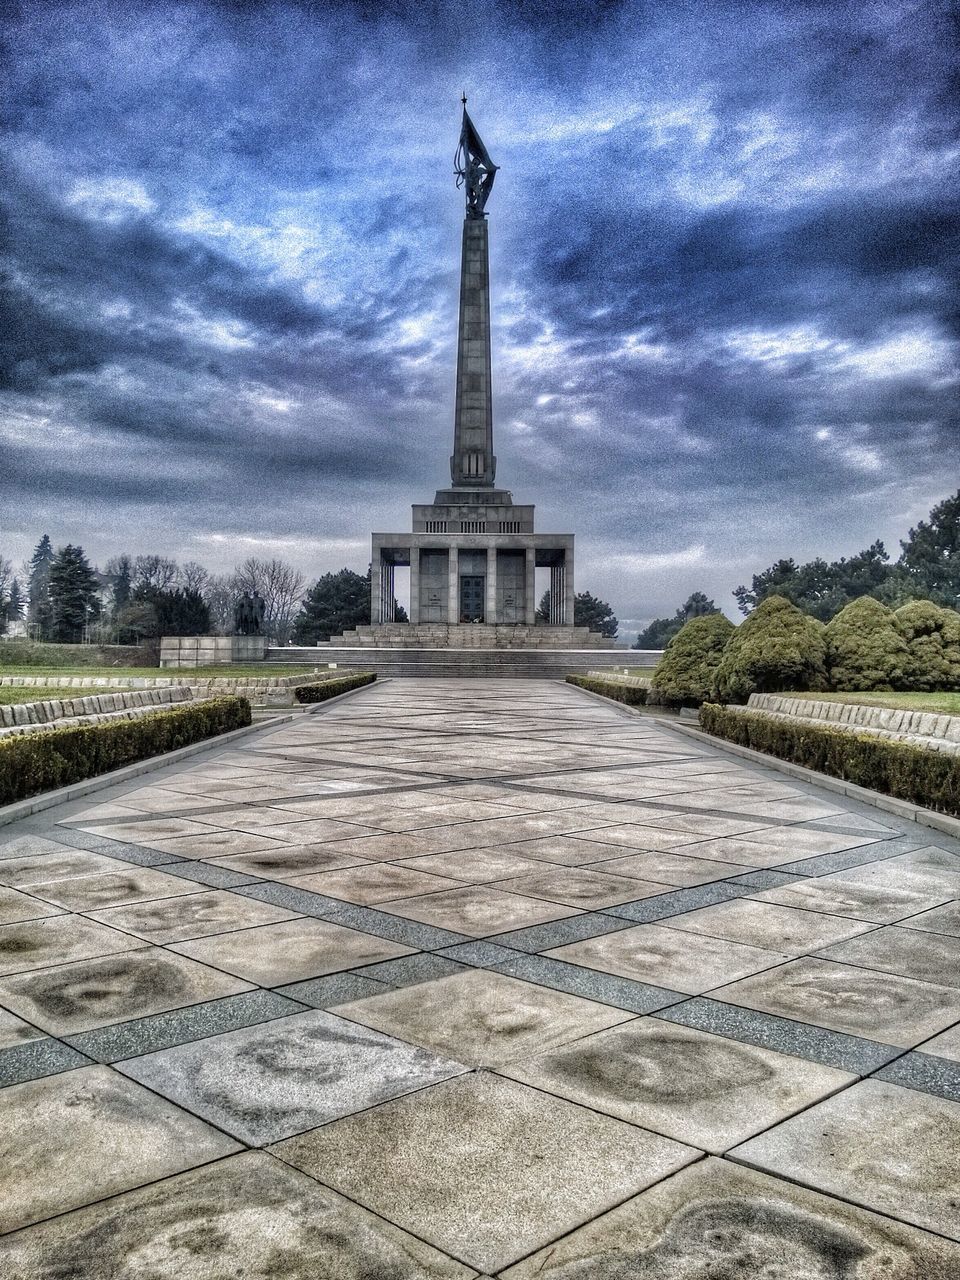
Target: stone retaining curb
{"points": [[641, 682], [103, 717], [55, 711], [218, 684], [929, 729]]}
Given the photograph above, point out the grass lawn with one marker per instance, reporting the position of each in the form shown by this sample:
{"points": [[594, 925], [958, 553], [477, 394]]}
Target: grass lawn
{"points": [[235, 672], [945, 703], [646, 672], [43, 693]]}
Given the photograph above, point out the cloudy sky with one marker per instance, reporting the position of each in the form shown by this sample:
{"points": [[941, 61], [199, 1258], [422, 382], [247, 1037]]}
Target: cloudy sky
{"points": [[723, 243]]}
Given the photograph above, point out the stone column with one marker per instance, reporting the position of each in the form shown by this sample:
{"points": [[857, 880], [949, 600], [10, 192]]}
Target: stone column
{"points": [[414, 586], [387, 592], [376, 569], [530, 586], [556, 595], [568, 588], [490, 614], [453, 587]]}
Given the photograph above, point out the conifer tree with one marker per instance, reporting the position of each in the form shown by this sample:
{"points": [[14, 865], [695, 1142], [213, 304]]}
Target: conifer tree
{"points": [[73, 595], [39, 613], [865, 648], [777, 648]]}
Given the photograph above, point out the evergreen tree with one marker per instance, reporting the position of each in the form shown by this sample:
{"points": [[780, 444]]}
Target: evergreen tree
{"points": [[337, 602], [73, 594], [662, 630], [930, 556], [39, 613], [932, 634], [588, 611], [819, 588], [181, 613], [776, 648], [122, 570], [865, 648], [6, 571], [685, 674], [16, 603]]}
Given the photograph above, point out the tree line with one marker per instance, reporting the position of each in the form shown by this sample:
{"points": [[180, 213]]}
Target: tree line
{"points": [[928, 568]]}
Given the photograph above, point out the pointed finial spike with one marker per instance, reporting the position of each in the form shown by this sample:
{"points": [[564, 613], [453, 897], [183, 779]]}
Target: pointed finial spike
{"points": [[463, 96]]}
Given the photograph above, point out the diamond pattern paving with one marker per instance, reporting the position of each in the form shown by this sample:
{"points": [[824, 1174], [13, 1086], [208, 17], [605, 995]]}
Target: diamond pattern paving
{"points": [[451, 980]]}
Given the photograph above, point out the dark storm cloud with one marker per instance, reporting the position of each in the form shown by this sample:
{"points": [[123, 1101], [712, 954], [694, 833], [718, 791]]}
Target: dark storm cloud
{"points": [[724, 245]]}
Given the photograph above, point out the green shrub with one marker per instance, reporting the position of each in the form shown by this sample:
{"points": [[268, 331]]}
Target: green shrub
{"points": [[911, 773], [634, 695], [686, 672], [321, 690], [932, 635], [776, 648], [34, 762], [865, 648]]}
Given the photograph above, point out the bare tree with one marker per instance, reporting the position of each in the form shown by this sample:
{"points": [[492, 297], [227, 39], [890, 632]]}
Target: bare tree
{"points": [[220, 594], [282, 588], [193, 576], [157, 572]]}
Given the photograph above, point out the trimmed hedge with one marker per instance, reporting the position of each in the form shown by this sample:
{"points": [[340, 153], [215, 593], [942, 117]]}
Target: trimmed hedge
{"points": [[777, 647], [927, 778], [35, 762], [685, 674], [634, 695], [321, 690]]}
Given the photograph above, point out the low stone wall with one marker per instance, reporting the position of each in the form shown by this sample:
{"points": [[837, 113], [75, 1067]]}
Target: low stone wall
{"points": [[93, 717], [640, 682], [25, 714], [923, 728], [211, 651]]}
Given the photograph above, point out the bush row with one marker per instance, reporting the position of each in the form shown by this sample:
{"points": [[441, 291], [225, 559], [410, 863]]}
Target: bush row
{"points": [[34, 762], [321, 690], [778, 648], [922, 777], [633, 695]]}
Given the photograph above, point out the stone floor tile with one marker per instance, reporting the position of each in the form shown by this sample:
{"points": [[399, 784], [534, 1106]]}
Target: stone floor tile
{"points": [[569, 851], [119, 1136], [146, 830], [926, 1072], [396, 928], [267, 1082], [876, 1144], [136, 884], [191, 916], [945, 919], [373, 882], [15, 1031], [114, 988], [180, 1026], [16, 906], [764, 924], [630, 836], [677, 869], [35, 944], [946, 1044], [475, 866], [784, 1035], [189, 1227], [294, 860], [477, 910], [61, 864], [892, 1010], [580, 887], [834, 896], [481, 1017], [701, 1089], [290, 951], [36, 1058], [910, 953], [485, 1168], [715, 1219], [216, 844], [929, 870], [299, 901], [208, 873], [28, 846], [669, 957]]}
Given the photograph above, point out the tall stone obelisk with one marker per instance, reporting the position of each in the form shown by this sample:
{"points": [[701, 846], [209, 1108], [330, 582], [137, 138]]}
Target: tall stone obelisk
{"points": [[473, 464]]}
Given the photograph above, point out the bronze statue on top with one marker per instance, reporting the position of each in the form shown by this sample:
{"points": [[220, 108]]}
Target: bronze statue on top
{"points": [[473, 166]]}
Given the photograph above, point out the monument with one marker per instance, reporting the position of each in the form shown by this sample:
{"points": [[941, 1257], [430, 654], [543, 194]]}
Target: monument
{"points": [[473, 552]]}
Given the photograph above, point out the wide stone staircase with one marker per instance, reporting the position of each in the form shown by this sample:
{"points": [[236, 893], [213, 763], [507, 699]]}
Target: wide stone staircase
{"points": [[477, 635]]}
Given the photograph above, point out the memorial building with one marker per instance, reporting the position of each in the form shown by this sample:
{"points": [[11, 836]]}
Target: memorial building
{"points": [[473, 552]]}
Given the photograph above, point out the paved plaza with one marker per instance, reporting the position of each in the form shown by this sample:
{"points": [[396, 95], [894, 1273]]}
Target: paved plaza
{"points": [[451, 979]]}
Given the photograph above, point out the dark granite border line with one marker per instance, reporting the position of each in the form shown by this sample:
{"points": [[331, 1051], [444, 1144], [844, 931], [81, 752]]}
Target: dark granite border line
{"points": [[926, 1073], [816, 1044], [208, 874], [676, 902], [556, 933], [137, 854], [180, 1026], [590, 984], [332, 989], [35, 1058]]}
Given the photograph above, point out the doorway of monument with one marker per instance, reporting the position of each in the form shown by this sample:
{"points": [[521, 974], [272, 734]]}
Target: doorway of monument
{"points": [[473, 590]]}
